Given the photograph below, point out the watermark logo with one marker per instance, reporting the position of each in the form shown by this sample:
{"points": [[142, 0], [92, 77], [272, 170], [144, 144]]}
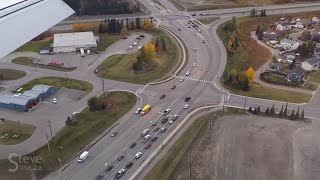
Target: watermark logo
{"points": [[25, 163]]}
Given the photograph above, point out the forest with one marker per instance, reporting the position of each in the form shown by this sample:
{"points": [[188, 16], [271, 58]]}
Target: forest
{"points": [[101, 7]]}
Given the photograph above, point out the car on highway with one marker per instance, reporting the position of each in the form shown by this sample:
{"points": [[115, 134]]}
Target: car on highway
{"points": [[194, 49], [108, 168], [162, 130], [167, 111], [54, 100], [194, 64], [179, 29], [146, 138], [171, 122], [138, 155], [138, 111], [133, 145], [189, 26], [186, 106], [114, 134], [173, 87], [147, 146], [145, 132], [187, 99], [142, 36], [99, 177], [156, 129], [120, 173], [162, 96], [164, 120], [154, 139], [130, 47], [174, 117], [154, 123], [203, 41], [181, 80], [193, 14], [129, 165], [187, 73], [120, 157]]}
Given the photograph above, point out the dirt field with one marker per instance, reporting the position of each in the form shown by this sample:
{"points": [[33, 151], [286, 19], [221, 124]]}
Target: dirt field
{"points": [[243, 148]]}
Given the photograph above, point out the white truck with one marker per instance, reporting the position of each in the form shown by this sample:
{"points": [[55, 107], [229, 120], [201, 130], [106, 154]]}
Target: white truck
{"points": [[83, 156], [82, 52]]}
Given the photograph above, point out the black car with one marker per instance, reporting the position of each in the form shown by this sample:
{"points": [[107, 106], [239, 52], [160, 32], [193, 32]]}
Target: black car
{"points": [[179, 29], [187, 99], [109, 167], [162, 96], [121, 157], [193, 15], [133, 145], [164, 120], [154, 139], [141, 36], [99, 177], [129, 165], [154, 123]]}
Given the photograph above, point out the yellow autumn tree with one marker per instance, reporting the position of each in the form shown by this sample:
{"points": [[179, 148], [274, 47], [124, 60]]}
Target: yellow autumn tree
{"points": [[81, 27], [146, 25], [150, 52], [250, 74], [124, 31], [229, 45]]}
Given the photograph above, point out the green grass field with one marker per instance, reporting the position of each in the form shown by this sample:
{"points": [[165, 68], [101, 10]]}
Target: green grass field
{"points": [[11, 128], [12, 74], [107, 40], [35, 46], [29, 62], [72, 139], [119, 67], [58, 82]]}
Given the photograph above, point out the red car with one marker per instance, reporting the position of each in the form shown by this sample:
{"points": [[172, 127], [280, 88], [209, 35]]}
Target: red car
{"points": [[173, 87], [156, 129], [147, 146]]}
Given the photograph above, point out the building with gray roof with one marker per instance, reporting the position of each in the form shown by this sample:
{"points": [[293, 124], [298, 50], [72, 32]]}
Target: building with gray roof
{"points": [[70, 42]]}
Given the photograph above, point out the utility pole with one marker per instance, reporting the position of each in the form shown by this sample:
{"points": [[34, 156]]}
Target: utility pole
{"points": [[50, 129], [104, 93], [48, 142], [245, 103], [67, 79]]}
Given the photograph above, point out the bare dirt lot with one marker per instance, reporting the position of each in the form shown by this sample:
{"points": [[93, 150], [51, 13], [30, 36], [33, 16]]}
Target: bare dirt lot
{"points": [[242, 147]]}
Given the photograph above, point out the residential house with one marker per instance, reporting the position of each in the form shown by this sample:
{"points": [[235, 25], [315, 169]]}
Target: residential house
{"points": [[298, 25], [289, 44], [270, 35], [296, 75], [305, 22], [316, 37], [283, 26], [290, 58], [276, 67], [315, 20], [311, 64], [316, 52]]}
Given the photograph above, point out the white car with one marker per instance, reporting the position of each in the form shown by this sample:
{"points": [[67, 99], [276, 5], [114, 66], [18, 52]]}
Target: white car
{"points": [[130, 47], [194, 65], [75, 113], [186, 106], [167, 111], [138, 155], [170, 122], [54, 101], [194, 49], [138, 110], [181, 80], [187, 73], [139, 47]]}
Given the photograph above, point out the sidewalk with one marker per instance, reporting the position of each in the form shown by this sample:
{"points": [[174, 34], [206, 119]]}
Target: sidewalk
{"points": [[264, 67]]}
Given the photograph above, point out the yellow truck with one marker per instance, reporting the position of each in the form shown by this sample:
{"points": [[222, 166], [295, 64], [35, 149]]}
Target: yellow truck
{"points": [[145, 109]]}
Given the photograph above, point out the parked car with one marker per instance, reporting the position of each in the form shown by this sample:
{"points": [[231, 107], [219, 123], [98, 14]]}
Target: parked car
{"points": [[203, 41], [194, 65], [75, 114], [187, 99], [187, 73], [129, 165], [109, 167], [97, 52], [142, 36], [120, 157], [147, 146], [162, 96], [181, 80], [54, 100], [114, 134], [138, 155], [194, 49], [133, 145], [179, 29]]}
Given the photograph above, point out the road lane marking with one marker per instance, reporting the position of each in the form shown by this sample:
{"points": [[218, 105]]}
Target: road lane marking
{"points": [[192, 79]]}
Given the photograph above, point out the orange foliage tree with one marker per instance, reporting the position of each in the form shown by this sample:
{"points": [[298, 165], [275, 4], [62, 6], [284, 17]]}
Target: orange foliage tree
{"points": [[150, 52], [81, 27]]}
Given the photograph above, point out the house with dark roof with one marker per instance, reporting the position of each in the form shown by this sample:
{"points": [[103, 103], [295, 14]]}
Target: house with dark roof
{"points": [[311, 64], [283, 26], [296, 75], [276, 67], [289, 44], [316, 37], [316, 52]]}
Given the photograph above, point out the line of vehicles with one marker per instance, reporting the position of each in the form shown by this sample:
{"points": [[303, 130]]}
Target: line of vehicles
{"points": [[138, 39]]}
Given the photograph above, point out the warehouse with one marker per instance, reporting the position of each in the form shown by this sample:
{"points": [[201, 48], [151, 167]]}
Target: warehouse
{"points": [[43, 90], [36, 95], [71, 42], [16, 102]]}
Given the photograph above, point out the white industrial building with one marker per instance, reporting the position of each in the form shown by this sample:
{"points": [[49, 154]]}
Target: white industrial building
{"points": [[70, 42]]}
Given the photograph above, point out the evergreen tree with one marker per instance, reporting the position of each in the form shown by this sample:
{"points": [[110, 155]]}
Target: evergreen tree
{"points": [[297, 113], [157, 45], [100, 29], [250, 109], [138, 23], [68, 121], [281, 111], [261, 13], [292, 115], [267, 111], [163, 43], [302, 115], [255, 111], [272, 110], [258, 109], [253, 12], [127, 23]]}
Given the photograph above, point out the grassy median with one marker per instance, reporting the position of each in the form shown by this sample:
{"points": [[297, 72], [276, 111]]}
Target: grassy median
{"points": [[119, 67], [85, 127], [12, 132], [107, 40], [35, 46], [11, 74], [58, 82]]}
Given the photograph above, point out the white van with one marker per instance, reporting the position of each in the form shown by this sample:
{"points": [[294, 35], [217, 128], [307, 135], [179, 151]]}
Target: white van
{"points": [[188, 73], [82, 52], [83, 156], [88, 52]]}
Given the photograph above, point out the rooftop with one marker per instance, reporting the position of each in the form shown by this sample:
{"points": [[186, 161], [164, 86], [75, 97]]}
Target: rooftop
{"points": [[288, 41], [41, 87], [312, 61], [74, 39]]}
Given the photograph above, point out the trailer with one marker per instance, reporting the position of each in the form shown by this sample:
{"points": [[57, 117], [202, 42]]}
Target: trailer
{"points": [[145, 109]]}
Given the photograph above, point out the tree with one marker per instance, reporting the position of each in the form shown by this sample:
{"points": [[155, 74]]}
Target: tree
{"points": [[244, 81], [68, 121], [138, 23], [302, 115], [292, 115], [1, 76], [258, 109], [267, 111], [150, 52], [141, 56], [253, 12], [250, 74], [281, 111], [157, 45], [297, 113], [258, 31], [274, 59], [272, 110], [285, 110], [124, 31], [92, 103], [163, 43], [233, 74], [250, 109]]}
